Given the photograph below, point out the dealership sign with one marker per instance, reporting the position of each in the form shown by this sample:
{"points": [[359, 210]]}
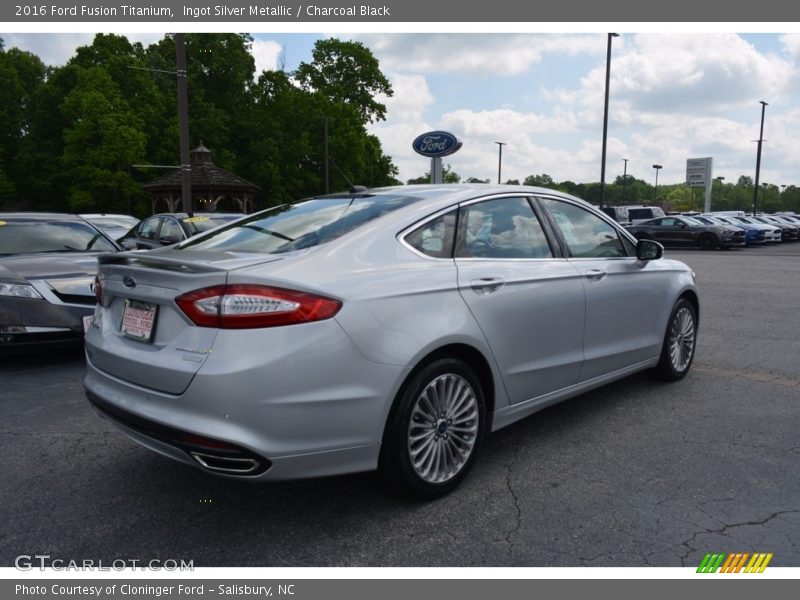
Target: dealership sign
{"points": [[698, 172], [436, 144]]}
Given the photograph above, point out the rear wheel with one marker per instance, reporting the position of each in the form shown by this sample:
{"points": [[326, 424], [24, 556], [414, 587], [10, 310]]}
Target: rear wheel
{"points": [[434, 430], [707, 241], [677, 351]]}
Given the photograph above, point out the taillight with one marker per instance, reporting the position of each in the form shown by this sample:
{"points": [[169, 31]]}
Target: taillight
{"points": [[243, 306], [98, 290]]}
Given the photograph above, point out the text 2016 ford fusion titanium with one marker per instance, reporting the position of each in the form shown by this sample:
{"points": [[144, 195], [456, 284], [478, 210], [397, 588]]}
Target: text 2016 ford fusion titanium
{"points": [[389, 328]]}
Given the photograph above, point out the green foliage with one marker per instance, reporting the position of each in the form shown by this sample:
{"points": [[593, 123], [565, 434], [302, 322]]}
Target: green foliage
{"points": [[346, 72], [448, 176], [543, 180], [70, 135], [476, 180]]}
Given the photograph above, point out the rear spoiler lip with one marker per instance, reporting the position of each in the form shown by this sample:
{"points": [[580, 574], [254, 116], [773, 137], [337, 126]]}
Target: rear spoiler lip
{"points": [[155, 262]]}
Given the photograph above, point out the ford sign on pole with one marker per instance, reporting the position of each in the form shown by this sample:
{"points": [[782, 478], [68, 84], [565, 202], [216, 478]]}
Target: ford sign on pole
{"points": [[436, 144]]}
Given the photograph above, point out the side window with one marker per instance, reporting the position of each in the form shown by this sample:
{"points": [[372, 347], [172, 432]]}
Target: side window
{"points": [[501, 228], [148, 228], [586, 234], [435, 238], [668, 222], [171, 229]]}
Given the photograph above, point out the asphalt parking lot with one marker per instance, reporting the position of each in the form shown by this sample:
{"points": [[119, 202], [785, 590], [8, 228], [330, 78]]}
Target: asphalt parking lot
{"points": [[638, 473]]}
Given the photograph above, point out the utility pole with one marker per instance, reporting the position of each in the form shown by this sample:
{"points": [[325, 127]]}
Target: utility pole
{"points": [[758, 157], [327, 156], [605, 123], [183, 118], [499, 159]]}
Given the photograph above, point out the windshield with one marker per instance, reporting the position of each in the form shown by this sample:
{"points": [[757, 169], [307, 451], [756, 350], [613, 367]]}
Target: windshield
{"points": [[33, 236], [297, 226]]}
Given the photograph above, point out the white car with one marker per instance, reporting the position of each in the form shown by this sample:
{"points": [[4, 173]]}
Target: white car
{"points": [[771, 232]]}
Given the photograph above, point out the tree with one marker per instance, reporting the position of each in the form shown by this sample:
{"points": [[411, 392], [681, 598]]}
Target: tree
{"points": [[448, 176], [543, 180], [512, 182], [102, 140], [348, 72], [744, 181], [22, 73], [476, 180]]}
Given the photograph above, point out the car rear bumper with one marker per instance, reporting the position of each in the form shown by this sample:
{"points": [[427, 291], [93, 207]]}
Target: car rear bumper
{"points": [[321, 414]]}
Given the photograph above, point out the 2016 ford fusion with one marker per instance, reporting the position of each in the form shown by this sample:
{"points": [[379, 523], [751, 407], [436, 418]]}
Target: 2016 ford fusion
{"points": [[390, 328]]}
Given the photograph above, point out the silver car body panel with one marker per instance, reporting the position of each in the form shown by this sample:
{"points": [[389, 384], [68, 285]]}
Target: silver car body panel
{"points": [[314, 398]]}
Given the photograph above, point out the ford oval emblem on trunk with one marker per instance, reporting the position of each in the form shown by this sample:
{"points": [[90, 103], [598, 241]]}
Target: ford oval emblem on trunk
{"points": [[436, 143], [129, 281]]}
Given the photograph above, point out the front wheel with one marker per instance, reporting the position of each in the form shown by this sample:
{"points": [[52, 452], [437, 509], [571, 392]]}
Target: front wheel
{"points": [[680, 339], [434, 430], [707, 241]]}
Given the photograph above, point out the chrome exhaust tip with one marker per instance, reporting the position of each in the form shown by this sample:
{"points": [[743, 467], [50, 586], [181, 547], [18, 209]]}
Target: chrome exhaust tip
{"points": [[225, 464]]}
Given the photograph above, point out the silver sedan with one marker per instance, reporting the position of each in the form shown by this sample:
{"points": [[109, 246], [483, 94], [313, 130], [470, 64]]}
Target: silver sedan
{"points": [[390, 328]]}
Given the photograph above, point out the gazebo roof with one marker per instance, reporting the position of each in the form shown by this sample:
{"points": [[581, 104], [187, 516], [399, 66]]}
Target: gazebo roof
{"points": [[205, 176]]}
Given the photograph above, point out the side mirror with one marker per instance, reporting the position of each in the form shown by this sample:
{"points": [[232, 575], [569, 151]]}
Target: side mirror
{"points": [[649, 250], [128, 244], [168, 240]]}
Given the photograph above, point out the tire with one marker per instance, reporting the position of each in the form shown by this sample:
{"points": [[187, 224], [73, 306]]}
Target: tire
{"points": [[680, 341], [707, 241], [434, 430]]}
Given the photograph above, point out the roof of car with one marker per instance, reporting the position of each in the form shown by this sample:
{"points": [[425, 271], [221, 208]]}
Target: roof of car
{"points": [[48, 216]]}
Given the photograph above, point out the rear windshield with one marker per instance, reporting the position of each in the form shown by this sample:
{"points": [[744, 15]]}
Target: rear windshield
{"points": [[33, 236], [297, 226]]}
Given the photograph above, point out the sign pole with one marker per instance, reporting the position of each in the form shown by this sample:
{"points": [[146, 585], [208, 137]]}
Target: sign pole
{"points": [[436, 170], [709, 181]]}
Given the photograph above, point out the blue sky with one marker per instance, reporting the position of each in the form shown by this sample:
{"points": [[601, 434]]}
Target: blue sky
{"points": [[673, 96]]}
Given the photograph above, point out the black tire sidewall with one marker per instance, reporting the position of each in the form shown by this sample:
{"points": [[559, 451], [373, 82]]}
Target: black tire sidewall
{"points": [[395, 464], [664, 369]]}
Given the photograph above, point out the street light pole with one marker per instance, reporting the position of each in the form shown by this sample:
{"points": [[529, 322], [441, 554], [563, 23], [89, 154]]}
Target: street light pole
{"points": [[624, 179], [720, 179], [655, 192], [758, 156], [605, 122], [499, 159]]}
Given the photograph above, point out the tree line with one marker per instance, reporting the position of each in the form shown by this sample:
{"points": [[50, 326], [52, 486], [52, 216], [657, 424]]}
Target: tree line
{"points": [[673, 197], [70, 135]]}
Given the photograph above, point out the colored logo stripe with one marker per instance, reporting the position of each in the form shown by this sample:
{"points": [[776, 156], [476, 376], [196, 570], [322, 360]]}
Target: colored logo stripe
{"points": [[734, 562]]}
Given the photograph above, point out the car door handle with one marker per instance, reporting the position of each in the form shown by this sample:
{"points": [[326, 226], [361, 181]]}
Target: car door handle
{"points": [[487, 285], [596, 274]]}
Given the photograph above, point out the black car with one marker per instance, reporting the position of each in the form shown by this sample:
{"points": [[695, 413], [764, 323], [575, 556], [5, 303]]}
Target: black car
{"points": [[169, 228], [680, 231], [47, 269]]}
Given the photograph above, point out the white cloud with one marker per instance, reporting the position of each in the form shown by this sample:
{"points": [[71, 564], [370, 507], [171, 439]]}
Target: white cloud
{"points": [[55, 49], [480, 54], [267, 55]]}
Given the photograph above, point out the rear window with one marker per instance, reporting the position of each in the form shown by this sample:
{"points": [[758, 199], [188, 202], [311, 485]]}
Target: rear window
{"points": [[297, 226], [34, 236]]}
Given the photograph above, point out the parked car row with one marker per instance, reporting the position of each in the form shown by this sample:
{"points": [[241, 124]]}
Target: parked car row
{"points": [[719, 230], [48, 262]]}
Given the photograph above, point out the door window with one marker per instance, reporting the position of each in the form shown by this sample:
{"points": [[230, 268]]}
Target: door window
{"points": [[501, 228], [586, 234]]}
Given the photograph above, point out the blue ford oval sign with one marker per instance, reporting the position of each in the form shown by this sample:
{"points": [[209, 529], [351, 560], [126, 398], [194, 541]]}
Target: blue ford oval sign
{"points": [[436, 143]]}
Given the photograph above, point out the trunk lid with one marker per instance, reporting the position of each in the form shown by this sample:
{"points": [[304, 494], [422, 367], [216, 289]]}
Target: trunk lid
{"points": [[141, 335]]}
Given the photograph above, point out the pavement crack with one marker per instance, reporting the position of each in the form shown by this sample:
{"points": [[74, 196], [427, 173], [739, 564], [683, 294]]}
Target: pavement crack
{"points": [[724, 529], [517, 510]]}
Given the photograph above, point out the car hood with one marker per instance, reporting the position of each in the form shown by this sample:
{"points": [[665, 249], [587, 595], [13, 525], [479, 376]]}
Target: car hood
{"points": [[46, 266]]}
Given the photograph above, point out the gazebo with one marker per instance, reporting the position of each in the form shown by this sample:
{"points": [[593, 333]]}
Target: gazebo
{"points": [[210, 187]]}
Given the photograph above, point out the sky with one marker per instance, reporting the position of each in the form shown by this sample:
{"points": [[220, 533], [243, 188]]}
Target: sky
{"points": [[673, 96]]}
